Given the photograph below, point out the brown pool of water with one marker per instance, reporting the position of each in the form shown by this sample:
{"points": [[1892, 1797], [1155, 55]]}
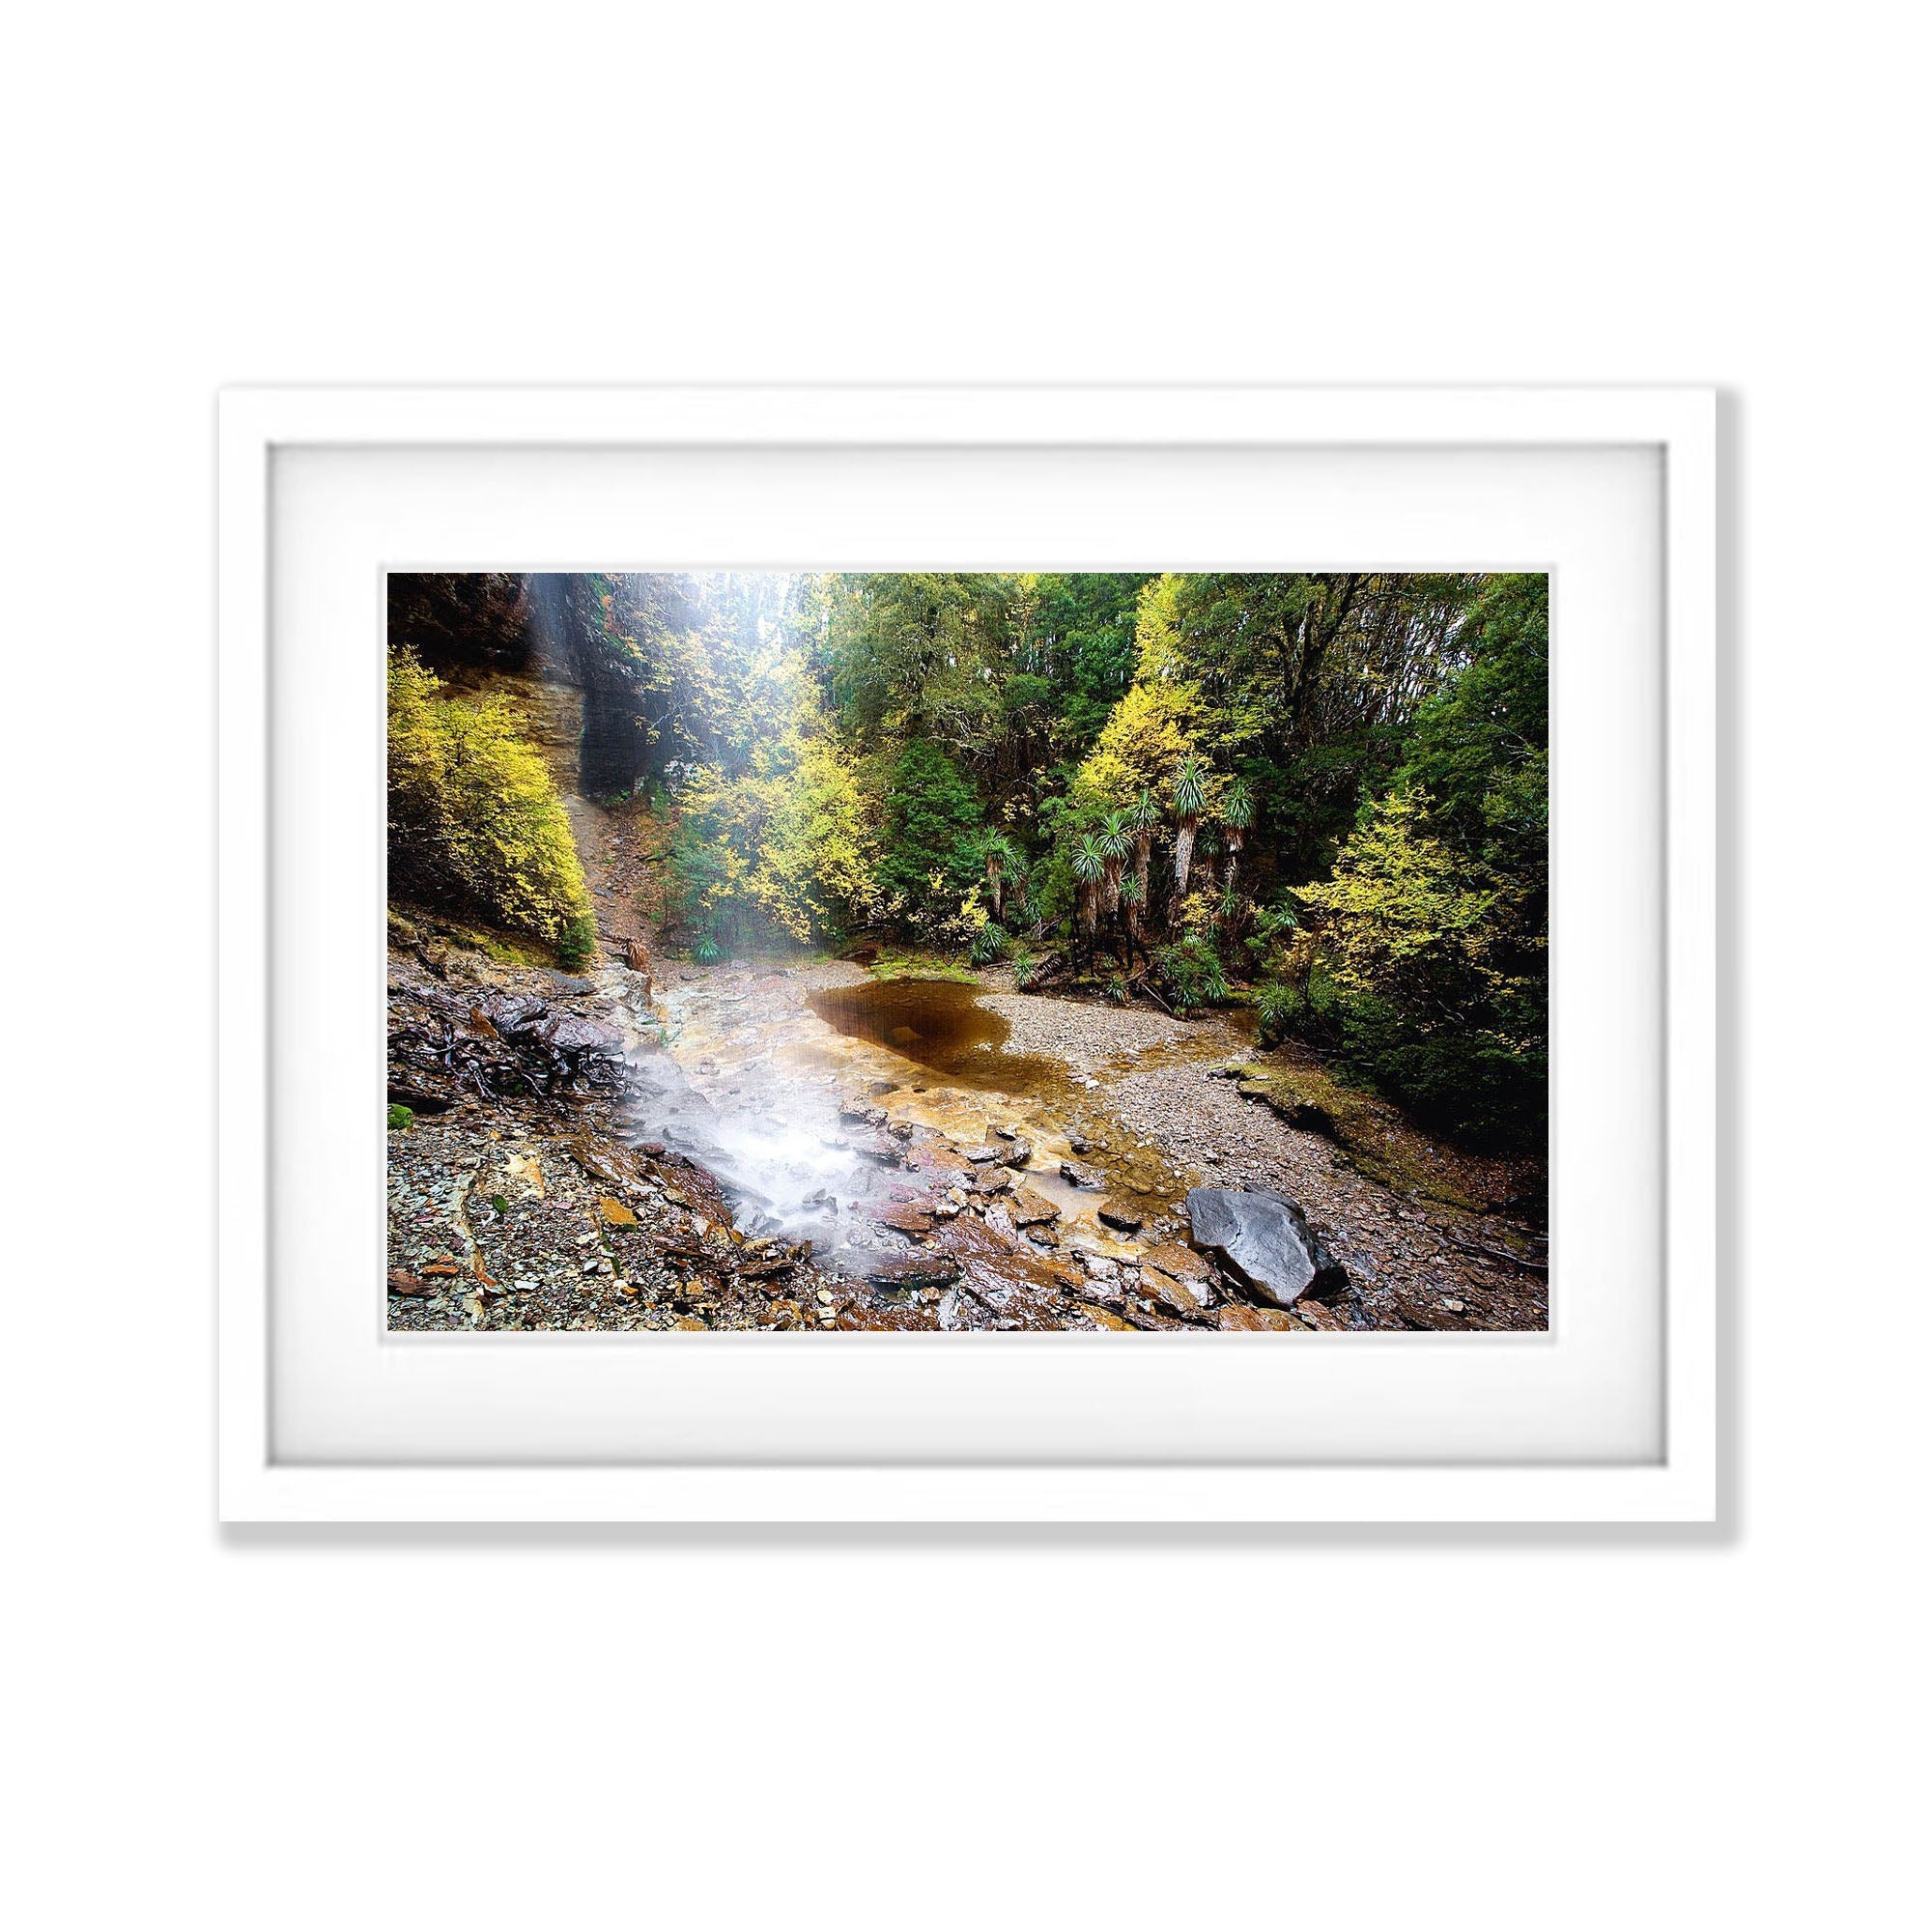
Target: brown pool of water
{"points": [[940, 1024]]}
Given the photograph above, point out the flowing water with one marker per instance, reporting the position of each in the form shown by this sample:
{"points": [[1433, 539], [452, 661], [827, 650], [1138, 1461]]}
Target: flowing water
{"points": [[758, 1064]]}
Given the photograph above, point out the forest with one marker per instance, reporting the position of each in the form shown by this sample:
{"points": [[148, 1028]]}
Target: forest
{"points": [[1321, 796]]}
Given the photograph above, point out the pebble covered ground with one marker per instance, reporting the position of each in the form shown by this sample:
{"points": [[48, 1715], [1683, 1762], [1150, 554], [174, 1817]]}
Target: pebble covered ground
{"points": [[1417, 1261]]}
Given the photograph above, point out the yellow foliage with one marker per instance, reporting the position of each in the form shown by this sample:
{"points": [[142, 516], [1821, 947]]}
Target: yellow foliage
{"points": [[474, 819], [1142, 743], [1406, 917], [788, 839], [1157, 638]]}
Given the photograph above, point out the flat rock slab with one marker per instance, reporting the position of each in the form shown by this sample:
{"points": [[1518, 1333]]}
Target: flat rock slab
{"points": [[1264, 1242], [1032, 1210], [1236, 1317], [914, 1271], [1183, 1264], [938, 1157], [1080, 1176], [569, 1033], [1315, 1316], [887, 1318], [770, 1270], [1121, 1215], [1169, 1293]]}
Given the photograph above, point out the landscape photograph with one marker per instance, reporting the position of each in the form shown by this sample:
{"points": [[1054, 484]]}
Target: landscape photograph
{"points": [[866, 951]]}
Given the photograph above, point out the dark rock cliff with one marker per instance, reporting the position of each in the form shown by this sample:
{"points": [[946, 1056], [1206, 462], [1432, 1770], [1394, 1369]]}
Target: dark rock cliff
{"points": [[548, 643]]}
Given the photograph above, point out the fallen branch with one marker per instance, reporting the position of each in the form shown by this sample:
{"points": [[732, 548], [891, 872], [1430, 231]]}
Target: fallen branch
{"points": [[1494, 1254]]}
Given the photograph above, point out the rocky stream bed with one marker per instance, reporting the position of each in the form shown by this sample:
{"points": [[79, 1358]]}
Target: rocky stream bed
{"points": [[800, 1147]]}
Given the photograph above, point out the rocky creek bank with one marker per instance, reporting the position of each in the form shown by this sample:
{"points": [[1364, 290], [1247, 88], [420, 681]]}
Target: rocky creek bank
{"points": [[552, 1176], [522, 1196]]}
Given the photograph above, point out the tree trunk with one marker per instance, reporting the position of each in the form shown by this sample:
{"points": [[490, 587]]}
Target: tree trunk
{"points": [[1183, 864], [1321, 625]]}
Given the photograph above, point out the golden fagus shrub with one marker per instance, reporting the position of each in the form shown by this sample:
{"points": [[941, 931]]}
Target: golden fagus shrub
{"points": [[475, 824]]}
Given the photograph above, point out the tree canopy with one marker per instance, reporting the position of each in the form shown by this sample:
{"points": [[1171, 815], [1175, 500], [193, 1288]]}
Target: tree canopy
{"points": [[1331, 788]]}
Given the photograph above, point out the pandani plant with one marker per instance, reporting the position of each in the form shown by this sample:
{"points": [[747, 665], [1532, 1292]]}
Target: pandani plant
{"points": [[1115, 841], [1133, 896], [1190, 801], [999, 856], [1238, 815], [1090, 867]]}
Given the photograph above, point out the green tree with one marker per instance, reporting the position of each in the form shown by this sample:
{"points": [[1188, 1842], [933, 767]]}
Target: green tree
{"points": [[1304, 683], [1145, 742], [929, 859], [775, 843], [1084, 627], [916, 655], [1439, 962], [1481, 749]]}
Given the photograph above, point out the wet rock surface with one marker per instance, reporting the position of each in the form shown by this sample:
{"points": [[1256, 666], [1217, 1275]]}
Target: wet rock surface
{"points": [[542, 1187], [1263, 1241]]}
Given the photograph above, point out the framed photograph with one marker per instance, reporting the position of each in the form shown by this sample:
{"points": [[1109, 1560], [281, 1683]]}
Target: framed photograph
{"points": [[968, 955]]}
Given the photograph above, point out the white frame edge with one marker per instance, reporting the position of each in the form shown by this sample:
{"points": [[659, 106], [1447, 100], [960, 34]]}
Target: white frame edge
{"points": [[1681, 422]]}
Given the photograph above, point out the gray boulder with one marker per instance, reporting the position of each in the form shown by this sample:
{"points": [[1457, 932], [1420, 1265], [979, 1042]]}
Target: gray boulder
{"points": [[1265, 1242]]}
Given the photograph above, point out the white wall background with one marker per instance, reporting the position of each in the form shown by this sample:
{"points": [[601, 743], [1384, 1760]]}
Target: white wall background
{"points": [[1362, 1731]]}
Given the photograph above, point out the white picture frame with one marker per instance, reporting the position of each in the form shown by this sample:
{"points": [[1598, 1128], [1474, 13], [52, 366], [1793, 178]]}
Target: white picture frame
{"points": [[1672, 428]]}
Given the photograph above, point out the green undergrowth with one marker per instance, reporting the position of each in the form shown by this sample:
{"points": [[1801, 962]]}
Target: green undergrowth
{"points": [[893, 964]]}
